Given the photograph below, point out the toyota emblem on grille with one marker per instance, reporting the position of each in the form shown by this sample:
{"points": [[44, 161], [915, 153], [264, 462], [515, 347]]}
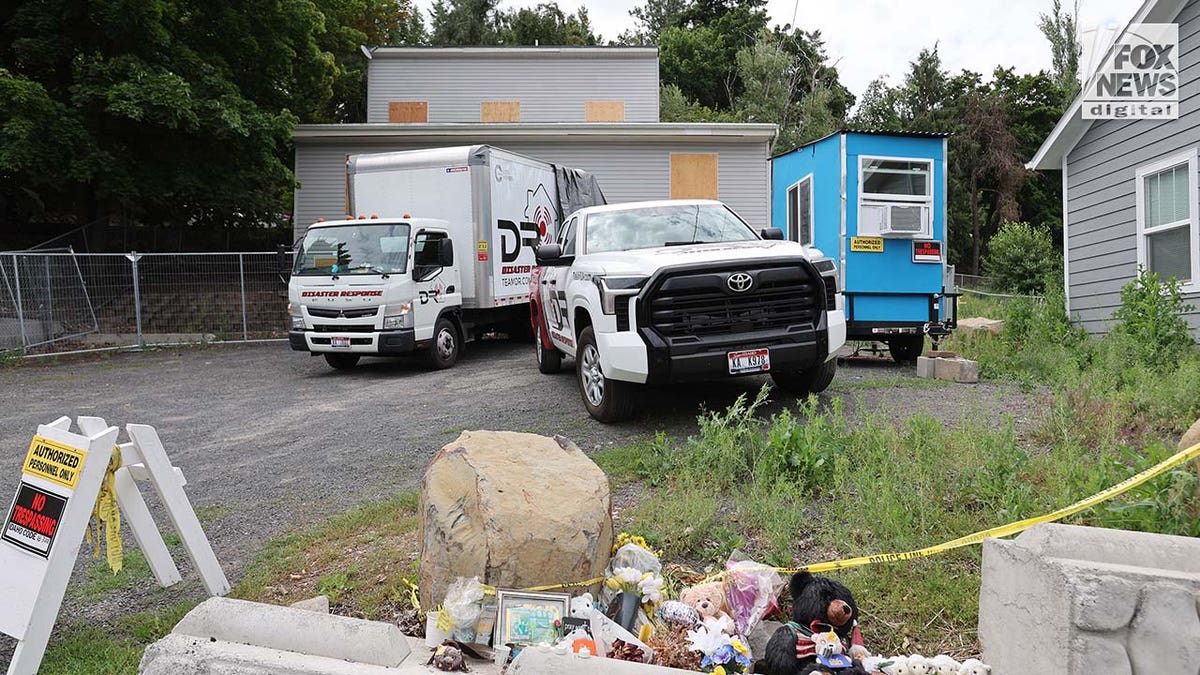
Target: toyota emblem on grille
{"points": [[740, 282]]}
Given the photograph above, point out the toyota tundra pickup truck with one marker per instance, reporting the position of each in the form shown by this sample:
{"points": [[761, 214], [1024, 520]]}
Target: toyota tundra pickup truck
{"points": [[681, 291]]}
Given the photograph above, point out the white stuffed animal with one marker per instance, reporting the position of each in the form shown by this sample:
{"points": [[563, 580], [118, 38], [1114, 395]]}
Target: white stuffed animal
{"points": [[874, 664], [581, 606], [943, 665], [918, 665], [899, 666], [974, 667]]}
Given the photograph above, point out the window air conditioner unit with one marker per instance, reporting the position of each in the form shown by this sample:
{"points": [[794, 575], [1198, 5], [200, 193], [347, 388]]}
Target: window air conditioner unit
{"points": [[897, 220]]}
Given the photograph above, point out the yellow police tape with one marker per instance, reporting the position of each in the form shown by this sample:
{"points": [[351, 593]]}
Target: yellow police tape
{"points": [[1124, 486]]}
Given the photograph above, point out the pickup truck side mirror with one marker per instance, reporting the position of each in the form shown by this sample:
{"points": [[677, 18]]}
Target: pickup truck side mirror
{"points": [[446, 253], [550, 255], [771, 234]]}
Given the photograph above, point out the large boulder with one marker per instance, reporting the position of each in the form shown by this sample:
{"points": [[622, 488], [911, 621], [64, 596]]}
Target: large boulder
{"points": [[517, 510], [1190, 437]]}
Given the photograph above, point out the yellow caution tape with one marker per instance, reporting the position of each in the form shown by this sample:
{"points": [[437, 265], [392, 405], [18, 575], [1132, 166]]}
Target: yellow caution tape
{"points": [[107, 514], [1010, 529]]}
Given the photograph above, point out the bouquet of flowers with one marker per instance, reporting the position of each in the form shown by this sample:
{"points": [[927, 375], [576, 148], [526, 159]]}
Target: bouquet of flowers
{"points": [[722, 653]]}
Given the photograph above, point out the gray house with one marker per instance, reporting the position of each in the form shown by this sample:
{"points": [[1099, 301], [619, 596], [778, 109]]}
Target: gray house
{"points": [[1130, 188], [593, 108]]}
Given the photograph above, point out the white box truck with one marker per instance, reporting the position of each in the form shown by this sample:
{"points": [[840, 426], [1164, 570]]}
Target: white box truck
{"points": [[440, 251]]}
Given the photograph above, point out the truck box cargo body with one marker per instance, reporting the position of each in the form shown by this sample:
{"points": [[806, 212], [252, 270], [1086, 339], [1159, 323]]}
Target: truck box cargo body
{"points": [[441, 250]]}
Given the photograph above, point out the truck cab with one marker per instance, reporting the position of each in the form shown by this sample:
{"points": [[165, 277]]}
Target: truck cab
{"points": [[680, 291], [376, 287]]}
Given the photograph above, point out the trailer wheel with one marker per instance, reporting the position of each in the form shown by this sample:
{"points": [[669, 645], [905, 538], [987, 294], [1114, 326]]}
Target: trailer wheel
{"points": [[606, 400], [810, 381], [445, 346], [342, 361], [549, 360], [906, 348]]}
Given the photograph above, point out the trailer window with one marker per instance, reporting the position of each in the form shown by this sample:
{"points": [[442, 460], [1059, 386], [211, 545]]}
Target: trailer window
{"points": [[903, 179], [675, 225], [799, 211], [353, 249]]}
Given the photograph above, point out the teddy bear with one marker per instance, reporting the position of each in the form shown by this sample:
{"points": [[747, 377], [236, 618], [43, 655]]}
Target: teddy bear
{"points": [[974, 667], [791, 650], [943, 664], [919, 665], [707, 599], [581, 607]]}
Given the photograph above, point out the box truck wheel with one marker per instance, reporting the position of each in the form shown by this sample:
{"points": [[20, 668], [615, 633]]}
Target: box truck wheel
{"points": [[809, 381], [606, 400], [906, 348], [549, 360], [342, 361], [444, 348]]}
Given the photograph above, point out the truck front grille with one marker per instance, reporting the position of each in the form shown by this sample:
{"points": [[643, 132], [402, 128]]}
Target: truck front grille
{"points": [[701, 304], [343, 313], [343, 328]]}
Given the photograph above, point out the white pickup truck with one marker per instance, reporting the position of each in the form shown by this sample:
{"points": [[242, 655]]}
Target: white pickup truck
{"points": [[678, 291]]}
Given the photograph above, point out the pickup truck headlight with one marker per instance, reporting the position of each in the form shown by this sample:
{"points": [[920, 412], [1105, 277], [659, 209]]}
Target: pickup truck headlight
{"points": [[402, 318], [297, 316], [612, 287]]}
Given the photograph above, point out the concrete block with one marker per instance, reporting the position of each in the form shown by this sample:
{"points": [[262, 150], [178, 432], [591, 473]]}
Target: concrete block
{"points": [[317, 604], [178, 654], [296, 630], [926, 367], [537, 661], [979, 323], [1074, 600], [963, 371]]}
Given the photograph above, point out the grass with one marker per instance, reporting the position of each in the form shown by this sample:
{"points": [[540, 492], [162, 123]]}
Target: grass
{"points": [[357, 558]]}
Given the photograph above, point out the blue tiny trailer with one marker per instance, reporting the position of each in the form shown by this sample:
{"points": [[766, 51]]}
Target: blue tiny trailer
{"points": [[875, 201]]}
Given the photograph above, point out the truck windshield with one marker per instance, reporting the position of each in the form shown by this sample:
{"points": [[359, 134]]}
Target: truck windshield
{"points": [[377, 248], [673, 225]]}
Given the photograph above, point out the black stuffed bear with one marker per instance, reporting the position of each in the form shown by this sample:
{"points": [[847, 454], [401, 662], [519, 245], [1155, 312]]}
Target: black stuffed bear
{"points": [[816, 600]]}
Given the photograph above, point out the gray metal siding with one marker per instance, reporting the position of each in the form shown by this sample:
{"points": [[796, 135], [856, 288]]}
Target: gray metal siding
{"points": [[1101, 185], [550, 89], [627, 170]]}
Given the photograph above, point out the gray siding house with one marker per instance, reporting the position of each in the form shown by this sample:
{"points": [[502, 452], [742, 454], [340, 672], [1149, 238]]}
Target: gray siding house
{"points": [[592, 108], [1130, 193]]}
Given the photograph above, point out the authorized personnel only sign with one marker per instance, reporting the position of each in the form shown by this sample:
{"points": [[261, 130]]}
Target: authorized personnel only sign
{"points": [[54, 461], [33, 519]]}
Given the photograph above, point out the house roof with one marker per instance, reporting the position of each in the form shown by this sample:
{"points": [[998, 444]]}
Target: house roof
{"points": [[566, 52], [383, 132], [1072, 126], [867, 132]]}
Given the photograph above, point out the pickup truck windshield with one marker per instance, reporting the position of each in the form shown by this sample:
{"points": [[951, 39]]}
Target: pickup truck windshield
{"points": [[674, 225], [380, 248]]}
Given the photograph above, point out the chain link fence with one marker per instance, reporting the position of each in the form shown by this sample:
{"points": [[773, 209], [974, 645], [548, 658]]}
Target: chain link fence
{"points": [[61, 301]]}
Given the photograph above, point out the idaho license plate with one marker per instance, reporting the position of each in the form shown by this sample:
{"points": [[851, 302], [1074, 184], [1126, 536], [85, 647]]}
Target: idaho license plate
{"points": [[340, 342], [752, 361]]}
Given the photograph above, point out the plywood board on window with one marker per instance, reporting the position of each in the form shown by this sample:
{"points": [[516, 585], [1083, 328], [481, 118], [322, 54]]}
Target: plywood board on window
{"points": [[408, 111], [694, 175], [500, 111], [605, 111]]}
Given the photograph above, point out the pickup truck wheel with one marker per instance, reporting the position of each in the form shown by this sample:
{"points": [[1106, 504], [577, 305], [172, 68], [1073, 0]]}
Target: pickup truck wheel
{"points": [[906, 348], [606, 400], [549, 360], [342, 361], [811, 381], [444, 348]]}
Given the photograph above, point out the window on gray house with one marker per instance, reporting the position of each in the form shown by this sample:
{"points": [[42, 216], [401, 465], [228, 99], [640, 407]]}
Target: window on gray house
{"points": [[1166, 220]]}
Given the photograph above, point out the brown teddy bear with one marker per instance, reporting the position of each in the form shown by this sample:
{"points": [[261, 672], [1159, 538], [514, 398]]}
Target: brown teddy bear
{"points": [[707, 599]]}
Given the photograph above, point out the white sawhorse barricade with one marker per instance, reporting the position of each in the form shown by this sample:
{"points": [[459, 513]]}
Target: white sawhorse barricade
{"points": [[40, 539]]}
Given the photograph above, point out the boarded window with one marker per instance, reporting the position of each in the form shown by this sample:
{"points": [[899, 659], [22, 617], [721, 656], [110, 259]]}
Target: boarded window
{"points": [[605, 111], [694, 176], [408, 111], [500, 111]]}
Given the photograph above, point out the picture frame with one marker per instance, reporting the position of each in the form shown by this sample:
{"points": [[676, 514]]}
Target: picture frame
{"points": [[527, 618]]}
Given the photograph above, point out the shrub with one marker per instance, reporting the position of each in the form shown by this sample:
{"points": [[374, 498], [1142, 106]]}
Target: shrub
{"points": [[1021, 258], [1150, 316]]}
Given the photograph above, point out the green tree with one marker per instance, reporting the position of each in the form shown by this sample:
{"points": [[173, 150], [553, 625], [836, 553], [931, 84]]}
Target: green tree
{"points": [[1021, 257], [1061, 30], [465, 22], [699, 53], [651, 19], [546, 24]]}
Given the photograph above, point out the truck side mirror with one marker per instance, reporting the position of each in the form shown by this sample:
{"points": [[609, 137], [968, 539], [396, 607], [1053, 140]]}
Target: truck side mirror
{"points": [[771, 234], [548, 255], [446, 253]]}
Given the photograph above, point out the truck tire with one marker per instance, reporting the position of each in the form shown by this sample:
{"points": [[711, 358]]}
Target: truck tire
{"points": [[342, 361], [445, 345], [906, 348], [606, 400], [549, 360], [811, 381]]}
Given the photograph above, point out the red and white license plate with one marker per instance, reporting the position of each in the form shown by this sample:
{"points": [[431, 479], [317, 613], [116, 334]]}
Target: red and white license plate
{"points": [[751, 361], [340, 342]]}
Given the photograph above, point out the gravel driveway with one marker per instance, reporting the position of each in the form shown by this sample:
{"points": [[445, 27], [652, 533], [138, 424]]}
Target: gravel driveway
{"points": [[271, 440]]}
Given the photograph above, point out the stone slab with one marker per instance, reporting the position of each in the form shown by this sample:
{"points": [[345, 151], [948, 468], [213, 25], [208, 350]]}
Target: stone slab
{"points": [[317, 604], [963, 371], [977, 323], [535, 661]]}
